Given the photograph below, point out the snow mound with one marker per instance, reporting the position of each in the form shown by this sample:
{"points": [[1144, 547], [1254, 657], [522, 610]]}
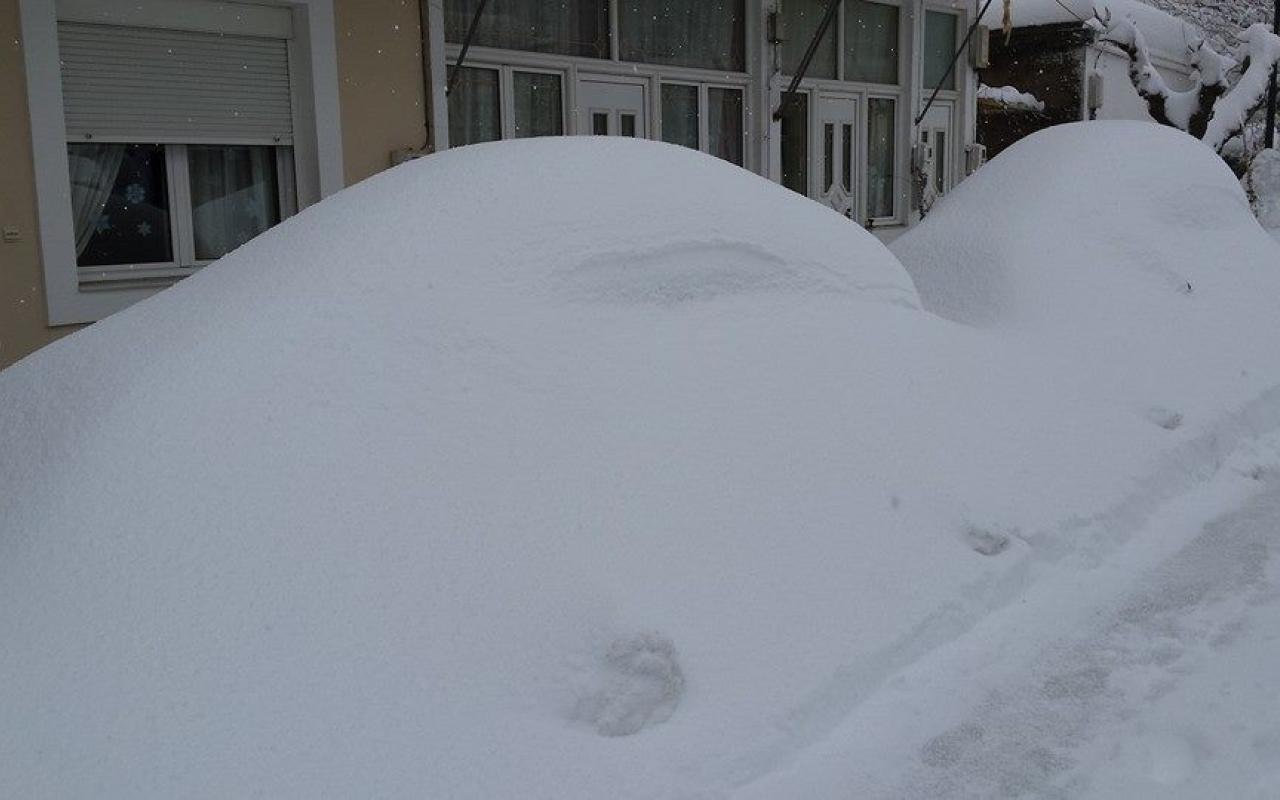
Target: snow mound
{"points": [[1263, 183], [587, 468], [1142, 237]]}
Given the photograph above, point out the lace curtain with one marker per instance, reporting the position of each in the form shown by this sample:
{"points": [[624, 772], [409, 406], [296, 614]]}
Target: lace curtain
{"points": [[93, 170]]}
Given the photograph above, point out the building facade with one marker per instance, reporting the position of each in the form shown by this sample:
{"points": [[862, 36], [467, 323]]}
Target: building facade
{"points": [[155, 135]]}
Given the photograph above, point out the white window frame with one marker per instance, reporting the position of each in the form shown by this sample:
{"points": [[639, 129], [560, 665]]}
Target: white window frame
{"points": [[651, 75], [182, 224], [317, 124], [957, 75], [704, 111], [507, 94]]}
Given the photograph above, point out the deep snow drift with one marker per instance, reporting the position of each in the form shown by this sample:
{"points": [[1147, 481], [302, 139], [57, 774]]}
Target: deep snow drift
{"points": [[578, 468], [1134, 264]]}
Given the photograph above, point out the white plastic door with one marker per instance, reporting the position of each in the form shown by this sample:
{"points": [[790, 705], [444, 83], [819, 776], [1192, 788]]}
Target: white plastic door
{"points": [[606, 108], [835, 153], [937, 143]]}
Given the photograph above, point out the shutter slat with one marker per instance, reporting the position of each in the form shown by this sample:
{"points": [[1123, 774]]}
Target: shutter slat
{"points": [[153, 84]]}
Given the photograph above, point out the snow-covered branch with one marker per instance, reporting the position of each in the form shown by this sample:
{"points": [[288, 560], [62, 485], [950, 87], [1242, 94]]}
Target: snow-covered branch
{"points": [[1213, 109]]}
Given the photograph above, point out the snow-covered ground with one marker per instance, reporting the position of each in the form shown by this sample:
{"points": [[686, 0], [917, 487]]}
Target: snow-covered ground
{"points": [[486, 478]]}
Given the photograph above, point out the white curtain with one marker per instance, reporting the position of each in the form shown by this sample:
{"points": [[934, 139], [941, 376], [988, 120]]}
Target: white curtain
{"points": [[474, 111], [233, 196], [686, 33], [93, 170], [568, 27]]}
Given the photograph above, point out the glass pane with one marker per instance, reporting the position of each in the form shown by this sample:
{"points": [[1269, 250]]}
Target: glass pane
{"points": [[234, 196], [724, 123], [600, 123], [795, 143], [880, 157], [680, 114], [828, 156], [846, 156], [566, 27], [119, 204], [474, 113], [538, 109], [870, 42], [627, 124], [940, 162], [939, 49], [711, 34], [800, 20]]}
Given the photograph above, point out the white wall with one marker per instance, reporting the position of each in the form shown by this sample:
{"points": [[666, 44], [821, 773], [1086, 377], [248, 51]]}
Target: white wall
{"points": [[1120, 99]]}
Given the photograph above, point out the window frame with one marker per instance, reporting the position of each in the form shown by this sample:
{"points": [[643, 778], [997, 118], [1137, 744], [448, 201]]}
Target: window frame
{"points": [[317, 170], [865, 159], [960, 28], [704, 113], [575, 68], [182, 223]]}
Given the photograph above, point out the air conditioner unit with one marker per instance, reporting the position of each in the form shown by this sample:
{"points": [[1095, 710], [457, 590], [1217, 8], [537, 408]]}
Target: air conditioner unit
{"points": [[975, 155], [980, 48]]}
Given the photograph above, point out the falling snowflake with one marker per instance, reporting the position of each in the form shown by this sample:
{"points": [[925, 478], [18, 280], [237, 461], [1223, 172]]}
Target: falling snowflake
{"points": [[144, 228], [103, 224], [135, 193]]}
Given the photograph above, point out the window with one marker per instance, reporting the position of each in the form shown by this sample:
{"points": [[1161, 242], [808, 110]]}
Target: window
{"points": [[538, 107], [564, 27], [710, 34], [148, 202], [177, 206], [680, 115], [235, 196], [724, 124], [800, 21], [120, 204], [940, 30], [795, 143], [870, 42], [474, 110], [881, 126], [683, 112], [128, 200]]}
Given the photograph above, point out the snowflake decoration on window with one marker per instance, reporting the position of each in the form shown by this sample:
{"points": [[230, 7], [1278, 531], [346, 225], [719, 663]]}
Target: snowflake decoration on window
{"points": [[135, 193], [144, 229], [103, 224]]}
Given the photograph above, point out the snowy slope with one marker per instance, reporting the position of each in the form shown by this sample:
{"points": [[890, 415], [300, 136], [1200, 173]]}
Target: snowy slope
{"points": [[487, 478]]}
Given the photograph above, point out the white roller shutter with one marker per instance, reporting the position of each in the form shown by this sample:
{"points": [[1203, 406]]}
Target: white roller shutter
{"points": [[171, 86]]}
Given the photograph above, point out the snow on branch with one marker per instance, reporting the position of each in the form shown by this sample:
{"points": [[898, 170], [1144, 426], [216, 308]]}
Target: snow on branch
{"points": [[1213, 109], [1259, 52]]}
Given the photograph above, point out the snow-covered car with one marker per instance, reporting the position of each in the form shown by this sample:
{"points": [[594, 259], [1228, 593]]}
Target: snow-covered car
{"points": [[602, 468]]}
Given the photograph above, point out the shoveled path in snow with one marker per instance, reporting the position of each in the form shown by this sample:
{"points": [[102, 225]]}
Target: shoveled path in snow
{"points": [[1151, 673]]}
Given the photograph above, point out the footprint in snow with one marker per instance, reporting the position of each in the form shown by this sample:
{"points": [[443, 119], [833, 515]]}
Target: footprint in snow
{"points": [[1165, 418], [640, 683]]}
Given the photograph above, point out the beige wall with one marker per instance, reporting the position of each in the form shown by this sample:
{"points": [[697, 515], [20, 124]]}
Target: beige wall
{"points": [[23, 316], [379, 82], [379, 46]]}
